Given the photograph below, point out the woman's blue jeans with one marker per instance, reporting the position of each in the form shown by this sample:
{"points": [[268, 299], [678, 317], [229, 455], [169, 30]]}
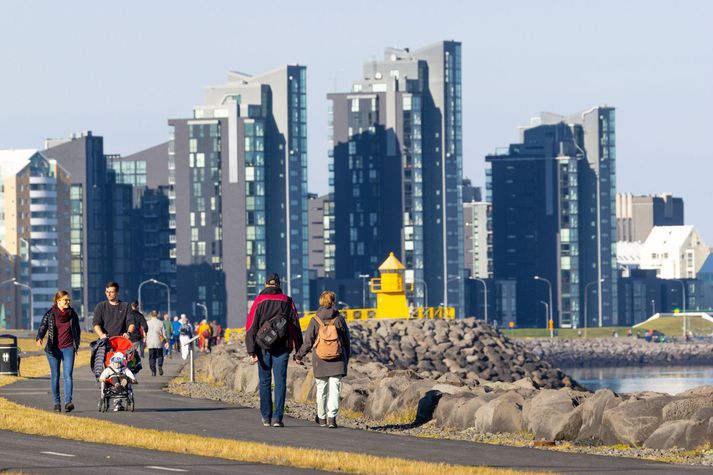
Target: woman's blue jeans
{"points": [[66, 356], [274, 362]]}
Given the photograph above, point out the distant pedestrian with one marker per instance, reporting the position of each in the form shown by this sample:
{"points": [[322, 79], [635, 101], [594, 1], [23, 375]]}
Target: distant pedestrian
{"points": [[205, 333], [138, 335], [217, 330], [61, 326], [168, 330], [185, 333], [176, 324], [155, 338], [327, 336], [272, 331], [111, 317]]}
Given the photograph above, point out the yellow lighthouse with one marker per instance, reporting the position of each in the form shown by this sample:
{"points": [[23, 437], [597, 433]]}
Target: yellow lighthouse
{"points": [[390, 289]]}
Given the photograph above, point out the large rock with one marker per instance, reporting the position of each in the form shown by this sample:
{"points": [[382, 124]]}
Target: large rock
{"points": [[547, 414], [633, 421], [686, 408], [458, 411], [384, 396], [502, 414], [592, 413], [681, 434]]}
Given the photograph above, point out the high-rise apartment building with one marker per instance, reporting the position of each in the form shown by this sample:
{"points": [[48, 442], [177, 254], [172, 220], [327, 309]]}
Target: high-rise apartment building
{"points": [[148, 238], [238, 169], [477, 239], [636, 216], [90, 223], [553, 198], [316, 206], [396, 171], [34, 205]]}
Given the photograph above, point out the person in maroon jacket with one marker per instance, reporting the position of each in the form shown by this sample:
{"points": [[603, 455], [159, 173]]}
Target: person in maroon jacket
{"points": [[61, 326], [270, 303]]}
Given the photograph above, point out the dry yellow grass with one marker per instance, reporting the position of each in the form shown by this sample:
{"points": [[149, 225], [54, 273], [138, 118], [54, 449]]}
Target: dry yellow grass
{"points": [[17, 418]]}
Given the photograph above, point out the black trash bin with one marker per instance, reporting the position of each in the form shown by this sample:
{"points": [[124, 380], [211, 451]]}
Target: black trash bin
{"points": [[9, 356]]}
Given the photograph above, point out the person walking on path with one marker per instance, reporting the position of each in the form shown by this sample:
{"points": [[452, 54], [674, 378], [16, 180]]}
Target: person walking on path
{"points": [[327, 336], [155, 338], [61, 326], [185, 333], [111, 317], [205, 333], [272, 311], [168, 330], [138, 335], [176, 324]]}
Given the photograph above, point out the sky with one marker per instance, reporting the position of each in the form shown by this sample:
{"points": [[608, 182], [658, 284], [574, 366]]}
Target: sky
{"points": [[122, 69]]}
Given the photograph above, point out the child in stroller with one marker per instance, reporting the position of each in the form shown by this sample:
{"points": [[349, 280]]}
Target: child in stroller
{"points": [[116, 384]]}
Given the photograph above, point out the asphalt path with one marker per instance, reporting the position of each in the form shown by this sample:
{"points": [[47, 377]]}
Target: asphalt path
{"points": [[33, 454], [157, 409]]}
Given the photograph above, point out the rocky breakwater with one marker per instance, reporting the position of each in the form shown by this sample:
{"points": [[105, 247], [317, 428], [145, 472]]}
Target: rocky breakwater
{"points": [[613, 352], [466, 375]]}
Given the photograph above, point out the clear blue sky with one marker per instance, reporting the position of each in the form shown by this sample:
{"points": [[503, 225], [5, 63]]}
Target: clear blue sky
{"points": [[122, 69]]}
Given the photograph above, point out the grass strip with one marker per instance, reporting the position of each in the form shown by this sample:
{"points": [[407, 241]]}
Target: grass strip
{"points": [[18, 418]]}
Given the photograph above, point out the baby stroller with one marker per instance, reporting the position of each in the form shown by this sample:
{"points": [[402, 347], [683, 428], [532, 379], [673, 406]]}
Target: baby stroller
{"points": [[117, 388]]}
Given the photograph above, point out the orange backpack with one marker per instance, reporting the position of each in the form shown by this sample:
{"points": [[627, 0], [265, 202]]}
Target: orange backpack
{"points": [[328, 346]]}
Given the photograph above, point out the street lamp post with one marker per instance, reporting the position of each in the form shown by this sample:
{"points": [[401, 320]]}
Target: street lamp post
{"points": [[205, 309], [586, 292], [549, 288], [485, 296], [547, 312], [168, 291], [363, 278], [29, 289]]}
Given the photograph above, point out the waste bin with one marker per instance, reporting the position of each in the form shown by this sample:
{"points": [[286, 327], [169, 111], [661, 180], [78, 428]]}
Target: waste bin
{"points": [[9, 356]]}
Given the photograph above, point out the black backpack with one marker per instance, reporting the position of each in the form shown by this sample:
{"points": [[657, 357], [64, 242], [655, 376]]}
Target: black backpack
{"points": [[272, 331]]}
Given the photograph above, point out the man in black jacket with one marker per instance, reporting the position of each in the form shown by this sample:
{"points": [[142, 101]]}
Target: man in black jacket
{"points": [[111, 317], [138, 336], [271, 304]]}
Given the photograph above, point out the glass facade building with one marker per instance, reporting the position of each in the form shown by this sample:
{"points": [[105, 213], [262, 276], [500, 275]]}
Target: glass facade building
{"points": [[238, 172], [396, 171], [553, 198]]}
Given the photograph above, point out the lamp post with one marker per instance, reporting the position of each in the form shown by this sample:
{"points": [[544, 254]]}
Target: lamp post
{"points": [[586, 291], [32, 317], [485, 296], [549, 288], [205, 309], [425, 290], [547, 312], [363, 278], [154, 281], [343, 304]]}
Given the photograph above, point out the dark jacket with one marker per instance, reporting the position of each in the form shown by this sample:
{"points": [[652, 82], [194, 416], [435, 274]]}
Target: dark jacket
{"points": [[321, 368], [49, 327], [270, 303], [140, 323]]}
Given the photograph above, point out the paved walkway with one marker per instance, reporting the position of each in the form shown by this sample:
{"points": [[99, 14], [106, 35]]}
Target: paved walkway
{"points": [[158, 409]]}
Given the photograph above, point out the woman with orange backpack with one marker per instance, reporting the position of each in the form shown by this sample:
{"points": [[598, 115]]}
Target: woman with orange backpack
{"points": [[327, 336]]}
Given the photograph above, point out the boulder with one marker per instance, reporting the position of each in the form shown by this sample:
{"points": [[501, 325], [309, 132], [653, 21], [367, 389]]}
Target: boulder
{"points": [[686, 408], [458, 411], [382, 399], [592, 412], [681, 434], [502, 414], [633, 421], [546, 415]]}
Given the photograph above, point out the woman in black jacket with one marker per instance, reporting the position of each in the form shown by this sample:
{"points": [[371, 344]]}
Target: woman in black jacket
{"points": [[61, 326], [328, 373]]}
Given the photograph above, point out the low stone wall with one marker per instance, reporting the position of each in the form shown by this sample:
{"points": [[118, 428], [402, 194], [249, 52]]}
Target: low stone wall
{"points": [[613, 352]]}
